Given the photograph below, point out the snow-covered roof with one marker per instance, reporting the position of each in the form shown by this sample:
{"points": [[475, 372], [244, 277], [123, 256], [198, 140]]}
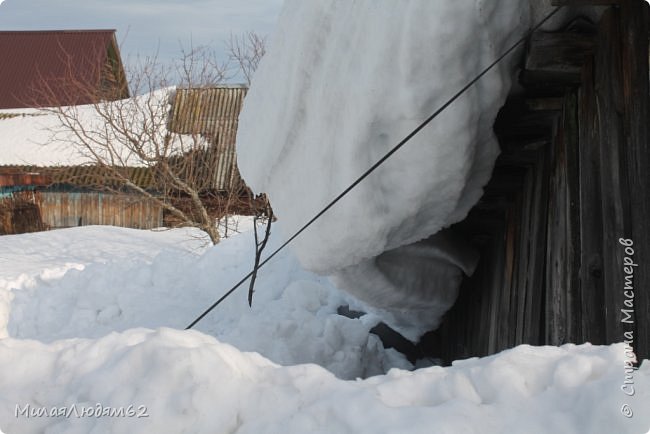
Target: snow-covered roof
{"points": [[35, 137], [198, 117], [25, 140]]}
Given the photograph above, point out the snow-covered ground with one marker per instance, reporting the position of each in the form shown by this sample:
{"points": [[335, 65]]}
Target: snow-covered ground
{"points": [[87, 282], [95, 317]]}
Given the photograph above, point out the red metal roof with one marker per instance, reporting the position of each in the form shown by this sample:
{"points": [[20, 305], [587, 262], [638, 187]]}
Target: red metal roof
{"points": [[32, 57]]}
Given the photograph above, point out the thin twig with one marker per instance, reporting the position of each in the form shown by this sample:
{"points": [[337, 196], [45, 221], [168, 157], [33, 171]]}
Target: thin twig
{"points": [[259, 247]]}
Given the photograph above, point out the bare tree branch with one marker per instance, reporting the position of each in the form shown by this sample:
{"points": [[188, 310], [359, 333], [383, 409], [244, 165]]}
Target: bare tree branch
{"points": [[265, 213], [246, 50]]}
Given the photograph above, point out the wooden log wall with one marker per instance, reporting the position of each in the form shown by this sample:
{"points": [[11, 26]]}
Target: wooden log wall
{"points": [[614, 184], [571, 182]]}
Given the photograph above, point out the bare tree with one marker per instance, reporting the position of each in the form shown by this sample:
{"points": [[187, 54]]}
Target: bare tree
{"points": [[246, 50], [201, 66], [131, 147]]}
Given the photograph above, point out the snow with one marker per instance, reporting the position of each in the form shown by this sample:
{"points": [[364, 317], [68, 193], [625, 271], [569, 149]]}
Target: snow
{"points": [[190, 382], [37, 137], [25, 140], [352, 79], [95, 317], [413, 284], [89, 281], [92, 318]]}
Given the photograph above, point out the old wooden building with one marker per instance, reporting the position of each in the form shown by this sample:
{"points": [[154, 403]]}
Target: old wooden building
{"points": [[36, 198], [66, 194], [57, 68], [563, 227]]}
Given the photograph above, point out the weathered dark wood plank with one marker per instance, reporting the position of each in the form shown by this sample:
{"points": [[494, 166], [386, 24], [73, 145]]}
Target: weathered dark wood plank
{"points": [[537, 247], [634, 49], [614, 194], [524, 256], [571, 134], [530, 257], [558, 291], [561, 53], [591, 260]]}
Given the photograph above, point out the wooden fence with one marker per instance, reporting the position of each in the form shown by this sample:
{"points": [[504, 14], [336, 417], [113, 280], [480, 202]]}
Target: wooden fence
{"points": [[65, 209]]}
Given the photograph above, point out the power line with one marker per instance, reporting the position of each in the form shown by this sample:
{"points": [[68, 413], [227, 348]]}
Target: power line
{"points": [[381, 161]]}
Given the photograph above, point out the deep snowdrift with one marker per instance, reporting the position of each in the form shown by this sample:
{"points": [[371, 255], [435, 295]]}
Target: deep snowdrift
{"points": [[342, 83], [190, 382], [89, 281], [95, 286]]}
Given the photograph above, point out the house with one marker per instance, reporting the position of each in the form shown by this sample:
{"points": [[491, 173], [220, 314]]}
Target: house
{"points": [[50, 187], [76, 68], [69, 191], [59, 68], [34, 198]]}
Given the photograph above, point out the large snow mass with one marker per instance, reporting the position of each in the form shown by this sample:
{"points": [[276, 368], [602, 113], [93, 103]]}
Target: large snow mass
{"points": [[93, 318], [342, 83]]}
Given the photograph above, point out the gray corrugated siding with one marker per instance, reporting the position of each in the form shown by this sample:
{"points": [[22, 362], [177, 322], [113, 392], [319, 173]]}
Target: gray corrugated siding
{"points": [[213, 113]]}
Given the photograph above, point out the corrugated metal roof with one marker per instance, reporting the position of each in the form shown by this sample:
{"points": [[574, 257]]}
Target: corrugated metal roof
{"points": [[213, 113], [30, 57], [208, 110]]}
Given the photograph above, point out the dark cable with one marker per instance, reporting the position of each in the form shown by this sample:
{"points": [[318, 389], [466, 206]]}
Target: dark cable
{"points": [[376, 165]]}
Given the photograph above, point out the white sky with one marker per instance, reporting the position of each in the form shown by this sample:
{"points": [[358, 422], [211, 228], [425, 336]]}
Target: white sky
{"points": [[145, 27]]}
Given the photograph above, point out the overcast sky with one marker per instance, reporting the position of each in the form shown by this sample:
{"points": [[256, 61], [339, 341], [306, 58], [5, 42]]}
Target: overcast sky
{"points": [[144, 26]]}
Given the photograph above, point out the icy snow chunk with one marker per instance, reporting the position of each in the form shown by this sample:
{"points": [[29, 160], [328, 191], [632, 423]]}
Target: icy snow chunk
{"points": [[411, 287]]}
